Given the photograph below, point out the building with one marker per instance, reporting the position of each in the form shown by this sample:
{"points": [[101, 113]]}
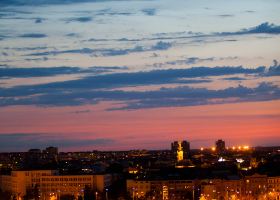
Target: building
{"points": [[181, 149], [61, 185], [161, 189], [233, 187], [174, 147], [217, 188], [138, 188], [255, 185], [220, 146], [51, 150], [50, 183], [274, 187], [50, 154], [186, 149], [19, 182]]}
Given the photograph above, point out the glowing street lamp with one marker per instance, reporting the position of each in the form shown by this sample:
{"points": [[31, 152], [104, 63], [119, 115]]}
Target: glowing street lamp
{"points": [[246, 147], [106, 193], [96, 195]]}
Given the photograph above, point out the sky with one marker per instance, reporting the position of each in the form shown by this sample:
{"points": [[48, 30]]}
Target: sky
{"points": [[138, 74]]}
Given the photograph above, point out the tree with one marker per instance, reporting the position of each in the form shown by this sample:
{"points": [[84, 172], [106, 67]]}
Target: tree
{"points": [[67, 197], [89, 194], [32, 193], [5, 195]]}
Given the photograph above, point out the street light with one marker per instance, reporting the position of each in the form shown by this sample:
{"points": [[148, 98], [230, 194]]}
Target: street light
{"points": [[96, 194], [133, 195], [106, 193]]}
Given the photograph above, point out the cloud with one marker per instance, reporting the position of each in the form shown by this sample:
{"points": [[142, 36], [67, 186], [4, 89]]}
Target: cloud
{"points": [[191, 60], [151, 77], [72, 35], [9, 72], [92, 89], [26, 48], [79, 19], [263, 28], [225, 15], [41, 2], [33, 35], [37, 72], [273, 70], [38, 20], [149, 11], [250, 11], [2, 37], [4, 54], [37, 59], [266, 27], [82, 111], [234, 79], [186, 96], [164, 97], [110, 12], [159, 46], [25, 141]]}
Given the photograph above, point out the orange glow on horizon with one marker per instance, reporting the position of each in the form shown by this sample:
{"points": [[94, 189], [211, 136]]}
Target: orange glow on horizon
{"points": [[249, 123]]}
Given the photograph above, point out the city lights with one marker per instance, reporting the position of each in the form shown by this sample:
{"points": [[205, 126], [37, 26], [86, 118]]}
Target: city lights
{"points": [[179, 178], [139, 100]]}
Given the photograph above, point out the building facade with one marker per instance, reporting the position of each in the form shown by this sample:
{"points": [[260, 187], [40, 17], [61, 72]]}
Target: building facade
{"points": [[161, 189], [50, 184], [246, 188], [220, 146]]}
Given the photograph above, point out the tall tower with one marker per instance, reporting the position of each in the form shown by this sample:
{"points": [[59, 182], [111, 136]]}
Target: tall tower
{"points": [[164, 192], [181, 149], [180, 153]]}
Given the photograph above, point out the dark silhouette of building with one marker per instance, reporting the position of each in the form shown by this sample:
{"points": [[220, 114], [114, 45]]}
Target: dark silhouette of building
{"points": [[33, 158], [174, 146], [51, 150], [51, 154], [220, 146]]}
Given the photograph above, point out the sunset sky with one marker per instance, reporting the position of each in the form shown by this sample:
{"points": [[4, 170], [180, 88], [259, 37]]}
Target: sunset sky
{"points": [[138, 74]]}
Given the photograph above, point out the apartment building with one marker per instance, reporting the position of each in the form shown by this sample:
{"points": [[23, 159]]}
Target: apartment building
{"points": [[50, 184]]}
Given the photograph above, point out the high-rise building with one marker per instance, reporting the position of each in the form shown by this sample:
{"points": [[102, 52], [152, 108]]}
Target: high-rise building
{"points": [[220, 146], [181, 147], [174, 146], [51, 150], [51, 154], [186, 148]]}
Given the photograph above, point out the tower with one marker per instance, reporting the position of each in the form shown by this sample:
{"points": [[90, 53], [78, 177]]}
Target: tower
{"points": [[180, 153], [164, 192], [180, 149]]}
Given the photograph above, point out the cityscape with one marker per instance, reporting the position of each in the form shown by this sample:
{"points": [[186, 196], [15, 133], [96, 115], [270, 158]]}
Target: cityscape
{"points": [[217, 172], [139, 100]]}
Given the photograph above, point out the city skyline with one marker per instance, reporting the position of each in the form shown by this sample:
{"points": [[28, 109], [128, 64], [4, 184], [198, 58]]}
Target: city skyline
{"points": [[214, 147], [121, 75]]}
